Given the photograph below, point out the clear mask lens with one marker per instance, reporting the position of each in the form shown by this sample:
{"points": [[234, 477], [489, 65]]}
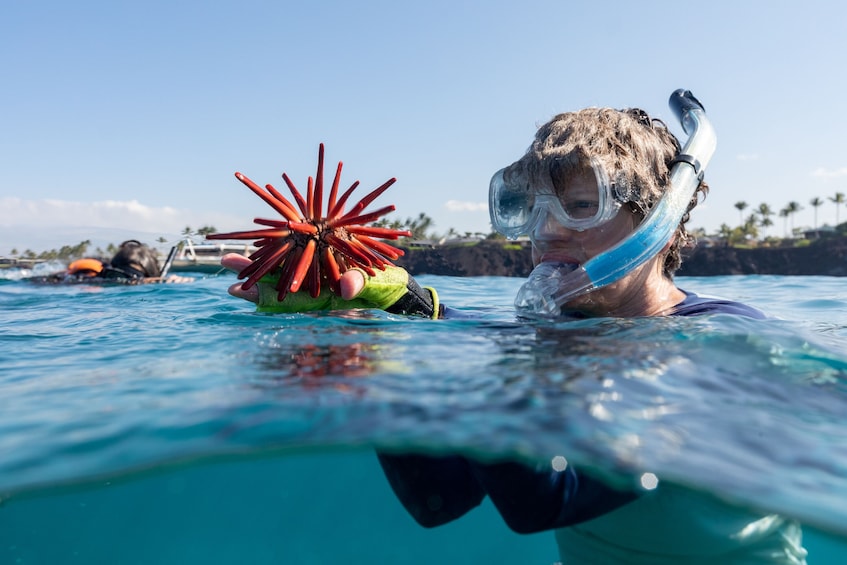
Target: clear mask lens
{"points": [[516, 207]]}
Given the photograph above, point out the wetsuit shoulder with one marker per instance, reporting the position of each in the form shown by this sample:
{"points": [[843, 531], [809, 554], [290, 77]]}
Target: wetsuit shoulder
{"points": [[695, 305]]}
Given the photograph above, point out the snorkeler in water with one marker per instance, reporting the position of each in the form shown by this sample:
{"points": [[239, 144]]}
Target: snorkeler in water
{"points": [[604, 196], [132, 263]]}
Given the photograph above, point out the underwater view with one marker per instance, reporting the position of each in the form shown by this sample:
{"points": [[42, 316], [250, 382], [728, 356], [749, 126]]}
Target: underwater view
{"points": [[173, 424]]}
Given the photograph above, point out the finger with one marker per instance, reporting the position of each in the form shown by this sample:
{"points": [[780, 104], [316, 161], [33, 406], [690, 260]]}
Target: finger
{"points": [[235, 262], [252, 294], [352, 282]]}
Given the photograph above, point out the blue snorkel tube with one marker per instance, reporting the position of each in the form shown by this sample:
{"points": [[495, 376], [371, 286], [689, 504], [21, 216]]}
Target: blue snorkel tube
{"points": [[551, 285]]}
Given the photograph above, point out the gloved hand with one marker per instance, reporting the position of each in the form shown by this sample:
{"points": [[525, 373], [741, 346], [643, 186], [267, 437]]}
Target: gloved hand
{"points": [[392, 290]]}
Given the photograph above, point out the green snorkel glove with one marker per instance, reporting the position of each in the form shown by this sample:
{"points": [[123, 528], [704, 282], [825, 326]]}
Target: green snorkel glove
{"points": [[392, 290]]}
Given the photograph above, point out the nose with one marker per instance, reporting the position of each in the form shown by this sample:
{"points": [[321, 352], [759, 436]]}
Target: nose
{"points": [[549, 236], [547, 228]]}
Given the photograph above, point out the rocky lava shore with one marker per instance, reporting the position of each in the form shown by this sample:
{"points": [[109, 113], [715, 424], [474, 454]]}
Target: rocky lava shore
{"points": [[826, 257]]}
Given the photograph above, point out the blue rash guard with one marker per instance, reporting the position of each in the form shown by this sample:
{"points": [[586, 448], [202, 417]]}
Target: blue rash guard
{"points": [[438, 489]]}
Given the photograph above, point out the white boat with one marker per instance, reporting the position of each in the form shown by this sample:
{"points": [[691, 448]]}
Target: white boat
{"points": [[206, 257]]}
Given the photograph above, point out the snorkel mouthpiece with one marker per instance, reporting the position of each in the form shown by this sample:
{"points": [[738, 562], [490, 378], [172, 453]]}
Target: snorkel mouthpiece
{"points": [[536, 296], [549, 287]]}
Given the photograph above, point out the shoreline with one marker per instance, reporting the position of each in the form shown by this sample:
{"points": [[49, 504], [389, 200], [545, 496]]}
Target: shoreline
{"points": [[824, 257]]}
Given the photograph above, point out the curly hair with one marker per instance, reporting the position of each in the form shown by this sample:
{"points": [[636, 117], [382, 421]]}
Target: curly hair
{"points": [[635, 150]]}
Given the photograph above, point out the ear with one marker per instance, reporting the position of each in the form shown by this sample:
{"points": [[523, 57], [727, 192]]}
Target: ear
{"points": [[668, 244]]}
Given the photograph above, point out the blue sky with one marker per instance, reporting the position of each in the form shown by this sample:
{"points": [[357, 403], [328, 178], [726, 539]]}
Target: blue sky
{"points": [[128, 119]]}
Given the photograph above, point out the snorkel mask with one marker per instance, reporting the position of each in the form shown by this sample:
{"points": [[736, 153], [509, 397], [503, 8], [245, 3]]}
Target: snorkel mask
{"points": [[551, 285], [517, 205]]}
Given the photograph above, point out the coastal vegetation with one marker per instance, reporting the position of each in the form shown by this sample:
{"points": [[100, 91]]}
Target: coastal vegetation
{"points": [[752, 231]]}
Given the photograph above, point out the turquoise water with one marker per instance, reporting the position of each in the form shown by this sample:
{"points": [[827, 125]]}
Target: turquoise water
{"points": [[171, 424]]}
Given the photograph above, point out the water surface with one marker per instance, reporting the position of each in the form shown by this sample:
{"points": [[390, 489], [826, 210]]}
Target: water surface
{"points": [[171, 423]]}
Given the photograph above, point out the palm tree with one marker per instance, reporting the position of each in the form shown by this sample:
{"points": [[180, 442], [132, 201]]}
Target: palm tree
{"points": [[765, 211], [419, 226], [784, 213], [793, 208], [206, 230], [839, 200], [749, 227], [394, 224], [816, 202], [741, 205], [765, 223]]}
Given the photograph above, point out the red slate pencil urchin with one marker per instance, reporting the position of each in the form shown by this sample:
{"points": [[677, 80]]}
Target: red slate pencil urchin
{"points": [[307, 248]]}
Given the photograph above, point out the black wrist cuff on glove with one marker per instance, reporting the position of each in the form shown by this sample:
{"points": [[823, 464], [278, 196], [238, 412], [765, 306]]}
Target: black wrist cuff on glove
{"points": [[418, 301]]}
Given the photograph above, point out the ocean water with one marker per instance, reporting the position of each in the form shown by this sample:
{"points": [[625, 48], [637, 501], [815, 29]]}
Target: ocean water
{"points": [[172, 424]]}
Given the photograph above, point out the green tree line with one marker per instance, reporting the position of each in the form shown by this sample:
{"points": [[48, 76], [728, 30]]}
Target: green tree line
{"points": [[756, 225]]}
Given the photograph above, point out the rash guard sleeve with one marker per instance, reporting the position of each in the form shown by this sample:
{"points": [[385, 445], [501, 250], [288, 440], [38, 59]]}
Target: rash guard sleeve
{"points": [[437, 490], [434, 490]]}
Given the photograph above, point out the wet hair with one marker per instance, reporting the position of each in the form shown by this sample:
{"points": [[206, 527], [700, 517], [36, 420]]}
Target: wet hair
{"points": [[635, 150], [134, 257]]}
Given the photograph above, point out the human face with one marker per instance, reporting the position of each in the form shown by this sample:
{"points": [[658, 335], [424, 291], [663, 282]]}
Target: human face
{"points": [[644, 291], [553, 242], [517, 204]]}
